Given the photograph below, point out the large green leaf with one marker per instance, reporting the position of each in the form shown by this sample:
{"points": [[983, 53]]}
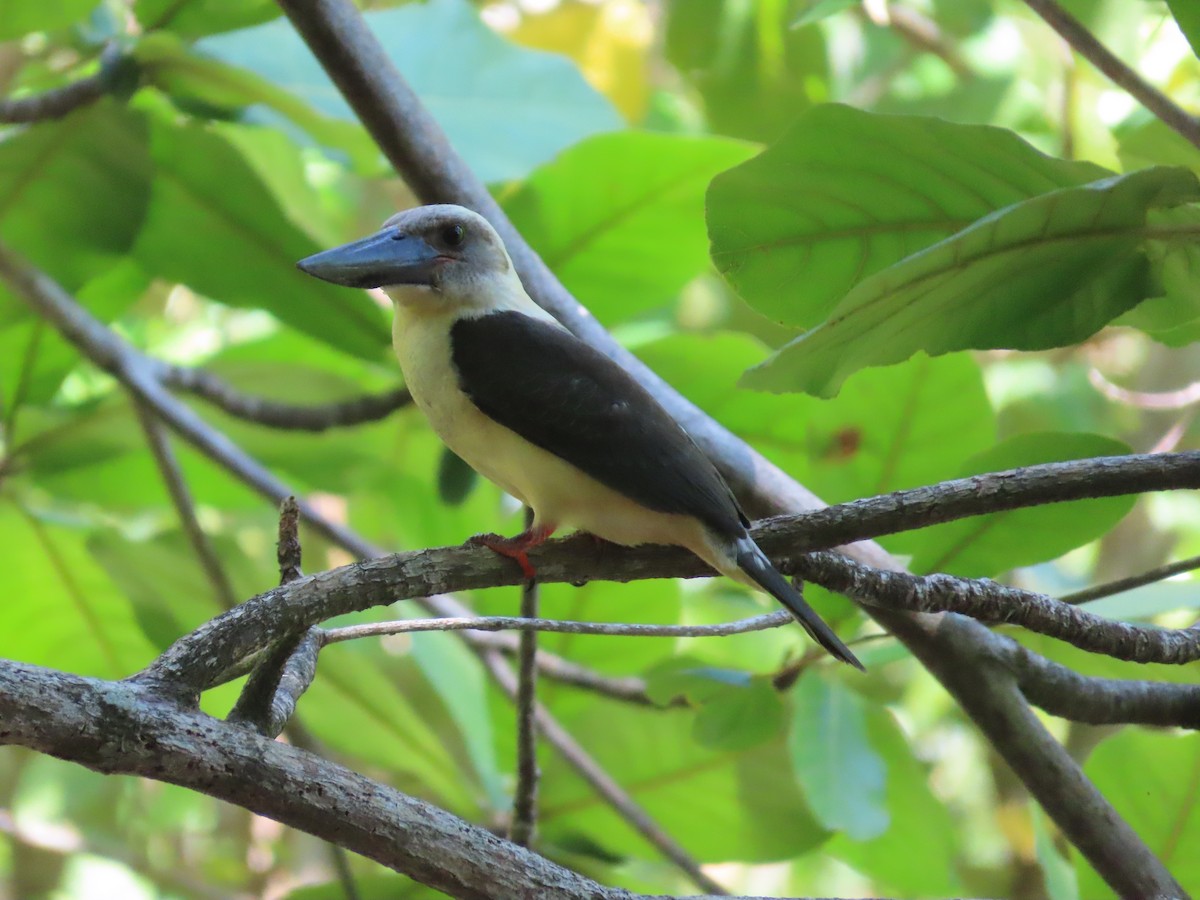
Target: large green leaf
{"points": [[60, 608], [843, 776], [845, 193], [620, 217], [912, 809], [888, 429], [19, 17], [73, 193], [198, 17], [988, 545], [505, 109], [1043, 273], [1153, 780], [213, 225], [720, 806], [191, 78], [1187, 17]]}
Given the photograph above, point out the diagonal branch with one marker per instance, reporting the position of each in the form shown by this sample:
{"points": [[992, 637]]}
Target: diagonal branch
{"points": [[1085, 44]]}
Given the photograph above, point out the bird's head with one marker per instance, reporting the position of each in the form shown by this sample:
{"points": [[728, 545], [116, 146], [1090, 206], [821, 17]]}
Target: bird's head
{"points": [[439, 255]]}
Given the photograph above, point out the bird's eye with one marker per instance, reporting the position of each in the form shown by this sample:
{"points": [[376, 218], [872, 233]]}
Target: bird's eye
{"points": [[454, 235]]}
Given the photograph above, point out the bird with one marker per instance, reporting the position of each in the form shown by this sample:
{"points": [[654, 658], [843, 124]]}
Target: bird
{"points": [[547, 417]]}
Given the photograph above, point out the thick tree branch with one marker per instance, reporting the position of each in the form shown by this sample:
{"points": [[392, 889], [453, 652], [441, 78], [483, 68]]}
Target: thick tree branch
{"points": [[1085, 44], [121, 728]]}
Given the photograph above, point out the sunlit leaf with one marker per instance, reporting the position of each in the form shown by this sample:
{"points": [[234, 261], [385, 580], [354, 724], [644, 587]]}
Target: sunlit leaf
{"points": [[620, 217], [988, 545], [213, 225], [1043, 273], [846, 193], [1151, 779], [19, 17]]}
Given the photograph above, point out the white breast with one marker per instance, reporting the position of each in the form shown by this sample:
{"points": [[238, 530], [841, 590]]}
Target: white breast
{"points": [[560, 494]]}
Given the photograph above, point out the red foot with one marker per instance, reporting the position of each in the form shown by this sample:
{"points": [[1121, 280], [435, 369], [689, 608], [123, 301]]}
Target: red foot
{"points": [[516, 547]]}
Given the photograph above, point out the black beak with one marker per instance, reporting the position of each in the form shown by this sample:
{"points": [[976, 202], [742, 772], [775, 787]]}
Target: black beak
{"points": [[386, 257]]}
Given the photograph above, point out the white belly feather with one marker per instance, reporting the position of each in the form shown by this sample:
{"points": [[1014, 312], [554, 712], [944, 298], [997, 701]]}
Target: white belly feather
{"points": [[560, 495]]}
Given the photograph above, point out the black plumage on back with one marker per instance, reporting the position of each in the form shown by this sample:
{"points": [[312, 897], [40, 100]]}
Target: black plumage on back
{"points": [[560, 394]]}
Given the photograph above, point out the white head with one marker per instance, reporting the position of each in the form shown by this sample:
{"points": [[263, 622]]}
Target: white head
{"points": [[441, 257]]}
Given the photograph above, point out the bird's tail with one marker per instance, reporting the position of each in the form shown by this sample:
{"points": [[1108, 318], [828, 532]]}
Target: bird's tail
{"points": [[754, 563]]}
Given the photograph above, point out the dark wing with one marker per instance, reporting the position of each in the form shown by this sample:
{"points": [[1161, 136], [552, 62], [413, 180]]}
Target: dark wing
{"points": [[573, 401]]}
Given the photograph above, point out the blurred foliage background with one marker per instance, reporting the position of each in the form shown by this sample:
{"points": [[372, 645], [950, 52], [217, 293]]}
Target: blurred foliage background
{"points": [[621, 137]]}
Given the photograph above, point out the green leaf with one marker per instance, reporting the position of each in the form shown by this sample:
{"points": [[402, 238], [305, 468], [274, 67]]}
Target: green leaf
{"points": [[459, 680], [739, 718], [815, 10], [845, 193], [754, 71], [843, 777], [1153, 780], [719, 806], [73, 193], [889, 859], [620, 217], [62, 610], [1061, 883], [20, 17], [988, 545], [504, 108], [213, 225], [888, 429], [1187, 17], [455, 479], [1172, 317], [35, 357], [1043, 273], [199, 17], [192, 79]]}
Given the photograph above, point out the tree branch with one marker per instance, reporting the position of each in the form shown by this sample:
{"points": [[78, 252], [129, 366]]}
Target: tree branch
{"points": [[987, 601], [121, 728], [59, 102], [524, 811], [1085, 44], [277, 414], [185, 507]]}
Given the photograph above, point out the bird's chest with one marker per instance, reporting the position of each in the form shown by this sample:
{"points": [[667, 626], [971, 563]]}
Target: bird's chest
{"points": [[422, 345]]}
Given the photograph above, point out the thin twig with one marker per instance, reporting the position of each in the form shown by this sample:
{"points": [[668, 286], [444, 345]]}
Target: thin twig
{"points": [[1121, 585], [524, 810], [1086, 45], [278, 414], [59, 102], [626, 688], [185, 506], [1156, 400], [558, 626]]}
